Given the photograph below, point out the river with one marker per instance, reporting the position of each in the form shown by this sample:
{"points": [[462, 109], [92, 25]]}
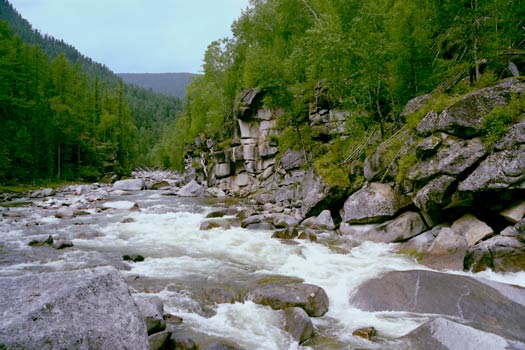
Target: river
{"points": [[184, 266]]}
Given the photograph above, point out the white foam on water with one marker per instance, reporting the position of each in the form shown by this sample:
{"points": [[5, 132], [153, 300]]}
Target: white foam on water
{"points": [[247, 324], [340, 275], [119, 205]]}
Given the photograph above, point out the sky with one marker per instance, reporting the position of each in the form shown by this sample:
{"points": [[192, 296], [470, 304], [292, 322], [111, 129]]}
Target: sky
{"points": [[136, 36]]}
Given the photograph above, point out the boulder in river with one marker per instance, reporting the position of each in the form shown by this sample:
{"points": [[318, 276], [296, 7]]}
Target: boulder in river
{"points": [[445, 334], [309, 297], [493, 307], [129, 185], [61, 310], [298, 324], [192, 189]]}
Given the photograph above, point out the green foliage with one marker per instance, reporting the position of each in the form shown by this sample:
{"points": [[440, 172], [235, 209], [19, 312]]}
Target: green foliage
{"points": [[496, 123], [405, 164], [437, 103], [368, 57]]}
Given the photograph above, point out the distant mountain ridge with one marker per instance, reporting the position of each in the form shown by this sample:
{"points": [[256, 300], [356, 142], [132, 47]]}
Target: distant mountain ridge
{"points": [[173, 84]]}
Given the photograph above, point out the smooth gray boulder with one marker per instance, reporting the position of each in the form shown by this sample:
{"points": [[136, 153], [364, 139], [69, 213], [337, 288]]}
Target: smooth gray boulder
{"points": [[462, 297], [82, 309], [447, 251], [309, 297], [473, 229], [444, 334], [515, 213], [129, 185], [191, 189], [465, 118], [501, 170], [374, 202], [298, 324]]}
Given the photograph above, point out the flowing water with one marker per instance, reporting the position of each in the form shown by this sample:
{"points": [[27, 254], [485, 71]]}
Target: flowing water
{"points": [[187, 268]]}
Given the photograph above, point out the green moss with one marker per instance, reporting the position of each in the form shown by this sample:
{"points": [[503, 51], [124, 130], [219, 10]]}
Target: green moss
{"points": [[405, 164], [437, 104], [496, 123]]}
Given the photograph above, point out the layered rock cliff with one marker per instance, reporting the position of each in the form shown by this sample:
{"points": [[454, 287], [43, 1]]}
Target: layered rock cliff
{"points": [[451, 188]]}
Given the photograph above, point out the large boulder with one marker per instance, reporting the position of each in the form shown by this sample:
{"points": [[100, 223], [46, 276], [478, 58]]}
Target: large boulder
{"points": [[453, 158], [515, 213], [465, 118], [323, 221], [433, 197], [447, 251], [501, 170], [129, 185], [495, 307], [400, 229], [472, 228], [192, 189], [444, 334], [374, 202], [309, 297], [82, 309]]}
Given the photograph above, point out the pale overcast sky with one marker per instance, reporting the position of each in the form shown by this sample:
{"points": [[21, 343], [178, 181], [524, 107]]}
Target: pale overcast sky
{"points": [[136, 36]]}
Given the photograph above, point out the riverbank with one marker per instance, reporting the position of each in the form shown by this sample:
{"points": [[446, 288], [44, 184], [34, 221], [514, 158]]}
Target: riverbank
{"points": [[207, 278]]}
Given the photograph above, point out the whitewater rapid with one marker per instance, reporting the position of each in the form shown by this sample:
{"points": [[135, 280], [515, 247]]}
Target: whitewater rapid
{"points": [[183, 261]]}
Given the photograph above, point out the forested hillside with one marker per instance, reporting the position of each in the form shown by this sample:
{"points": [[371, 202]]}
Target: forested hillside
{"points": [[365, 57], [172, 84], [63, 116]]}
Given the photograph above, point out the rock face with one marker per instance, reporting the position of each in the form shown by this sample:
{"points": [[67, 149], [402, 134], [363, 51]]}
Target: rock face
{"points": [[453, 158], [129, 185], [501, 170], [405, 183], [84, 309], [465, 117], [496, 308], [310, 298]]}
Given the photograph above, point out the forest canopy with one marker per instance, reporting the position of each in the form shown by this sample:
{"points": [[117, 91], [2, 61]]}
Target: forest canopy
{"points": [[368, 57]]}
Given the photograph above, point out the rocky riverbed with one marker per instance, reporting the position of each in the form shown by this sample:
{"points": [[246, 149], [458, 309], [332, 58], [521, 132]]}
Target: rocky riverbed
{"points": [[70, 259]]}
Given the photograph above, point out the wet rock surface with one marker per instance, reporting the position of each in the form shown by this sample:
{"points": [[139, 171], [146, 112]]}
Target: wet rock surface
{"points": [[461, 297], [310, 298]]}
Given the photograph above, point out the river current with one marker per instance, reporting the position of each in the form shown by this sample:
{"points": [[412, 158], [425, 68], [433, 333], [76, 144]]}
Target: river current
{"points": [[185, 265]]}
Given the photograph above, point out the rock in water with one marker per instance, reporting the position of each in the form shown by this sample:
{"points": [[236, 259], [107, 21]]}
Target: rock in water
{"points": [[309, 297], [493, 307], [443, 334], [298, 324], [83, 309], [192, 189], [129, 185]]}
